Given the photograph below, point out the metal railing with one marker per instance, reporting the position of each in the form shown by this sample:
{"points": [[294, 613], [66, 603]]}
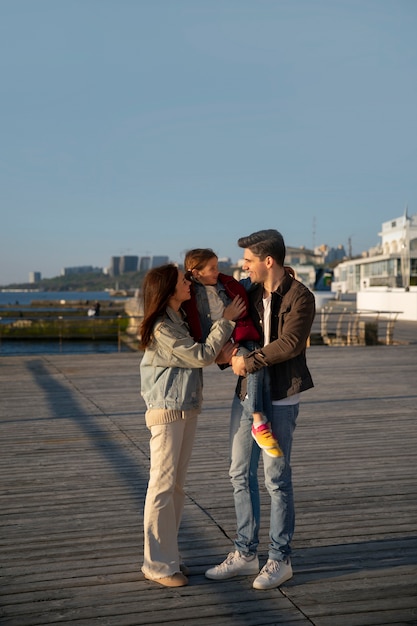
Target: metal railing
{"points": [[335, 326]]}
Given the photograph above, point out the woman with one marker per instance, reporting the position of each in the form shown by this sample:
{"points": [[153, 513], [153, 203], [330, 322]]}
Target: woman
{"points": [[171, 385]]}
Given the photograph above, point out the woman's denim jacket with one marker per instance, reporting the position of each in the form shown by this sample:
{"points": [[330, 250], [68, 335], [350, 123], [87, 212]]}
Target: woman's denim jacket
{"points": [[171, 375]]}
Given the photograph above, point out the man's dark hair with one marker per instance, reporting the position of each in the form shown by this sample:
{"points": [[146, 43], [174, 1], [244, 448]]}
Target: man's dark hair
{"points": [[265, 243]]}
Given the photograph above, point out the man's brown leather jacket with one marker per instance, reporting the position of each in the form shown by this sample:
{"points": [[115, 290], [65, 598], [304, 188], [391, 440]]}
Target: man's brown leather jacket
{"points": [[292, 314]]}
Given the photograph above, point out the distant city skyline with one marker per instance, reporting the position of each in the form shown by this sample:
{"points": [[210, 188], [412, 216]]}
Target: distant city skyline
{"points": [[107, 267], [147, 261], [333, 250], [154, 127]]}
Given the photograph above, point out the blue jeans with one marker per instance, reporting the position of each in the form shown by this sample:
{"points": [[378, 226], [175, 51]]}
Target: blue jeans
{"points": [[243, 472], [257, 385]]}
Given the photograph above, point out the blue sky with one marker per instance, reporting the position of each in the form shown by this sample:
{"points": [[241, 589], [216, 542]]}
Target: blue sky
{"points": [[154, 126]]}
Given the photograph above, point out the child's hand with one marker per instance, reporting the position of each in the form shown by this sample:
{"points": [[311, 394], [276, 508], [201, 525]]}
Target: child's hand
{"points": [[235, 309]]}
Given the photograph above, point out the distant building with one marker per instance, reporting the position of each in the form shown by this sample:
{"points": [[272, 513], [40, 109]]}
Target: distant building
{"points": [[145, 263], [81, 269], [128, 264], [391, 264], [302, 256], [331, 255], [305, 273], [159, 260], [35, 277], [224, 263], [114, 268], [132, 263]]}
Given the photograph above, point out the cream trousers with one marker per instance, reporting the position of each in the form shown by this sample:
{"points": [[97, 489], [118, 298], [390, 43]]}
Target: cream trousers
{"points": [[171, 446]]}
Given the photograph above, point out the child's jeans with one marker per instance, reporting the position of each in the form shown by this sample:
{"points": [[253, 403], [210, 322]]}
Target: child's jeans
{"points": [[258, 392]]}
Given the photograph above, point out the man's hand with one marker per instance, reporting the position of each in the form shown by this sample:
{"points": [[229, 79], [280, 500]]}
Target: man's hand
{"points": [[227, 352], [238, 366]]}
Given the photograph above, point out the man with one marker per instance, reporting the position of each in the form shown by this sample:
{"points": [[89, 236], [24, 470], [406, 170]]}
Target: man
{"points": [[283, 310]]}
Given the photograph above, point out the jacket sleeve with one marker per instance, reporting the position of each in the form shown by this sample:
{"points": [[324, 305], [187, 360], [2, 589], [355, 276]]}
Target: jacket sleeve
{"points": [[293, 338], [181, 350]]}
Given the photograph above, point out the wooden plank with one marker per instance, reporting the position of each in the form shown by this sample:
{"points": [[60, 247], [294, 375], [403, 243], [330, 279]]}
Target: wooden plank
{"points": [[74, 458]]}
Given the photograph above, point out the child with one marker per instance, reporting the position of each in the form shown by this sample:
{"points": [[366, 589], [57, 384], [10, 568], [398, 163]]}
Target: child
{"points": [[211, 292]]}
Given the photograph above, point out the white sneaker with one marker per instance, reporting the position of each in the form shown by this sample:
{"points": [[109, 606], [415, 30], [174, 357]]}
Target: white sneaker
{"points": [[235, 564], [273, 574]]}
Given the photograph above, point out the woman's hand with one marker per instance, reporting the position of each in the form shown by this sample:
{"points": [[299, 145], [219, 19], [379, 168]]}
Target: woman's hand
{"points": [[235, 309]]}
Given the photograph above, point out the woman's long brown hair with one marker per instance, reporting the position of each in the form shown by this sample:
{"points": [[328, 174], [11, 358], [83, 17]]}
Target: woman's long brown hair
{"points": [[158, 286]]}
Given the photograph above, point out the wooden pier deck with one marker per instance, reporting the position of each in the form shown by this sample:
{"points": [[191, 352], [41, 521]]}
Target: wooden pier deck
{"points": [[74, 468]]}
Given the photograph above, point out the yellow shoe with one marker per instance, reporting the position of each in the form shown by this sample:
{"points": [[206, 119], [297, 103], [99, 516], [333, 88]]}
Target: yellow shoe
{"points": [[266, 440]]}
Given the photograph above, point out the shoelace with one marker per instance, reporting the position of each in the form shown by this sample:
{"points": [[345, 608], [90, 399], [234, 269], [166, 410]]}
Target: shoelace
{"points": [[262, 428], [228, 561], [264, 431], [271, 567]]}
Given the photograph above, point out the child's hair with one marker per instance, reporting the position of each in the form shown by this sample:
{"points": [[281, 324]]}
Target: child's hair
{"points": [[197, 259]]}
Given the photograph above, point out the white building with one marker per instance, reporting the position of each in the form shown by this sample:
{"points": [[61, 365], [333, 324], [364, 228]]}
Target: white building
{"points": [[392, 264], [385, 280]]}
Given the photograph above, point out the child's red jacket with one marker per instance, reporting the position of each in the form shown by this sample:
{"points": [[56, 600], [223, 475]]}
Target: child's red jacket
{"points": [[244, 330]]}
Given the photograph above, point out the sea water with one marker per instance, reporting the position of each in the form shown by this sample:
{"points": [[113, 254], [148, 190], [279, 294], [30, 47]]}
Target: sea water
{"points": [[23, 347], [25, 298]]}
